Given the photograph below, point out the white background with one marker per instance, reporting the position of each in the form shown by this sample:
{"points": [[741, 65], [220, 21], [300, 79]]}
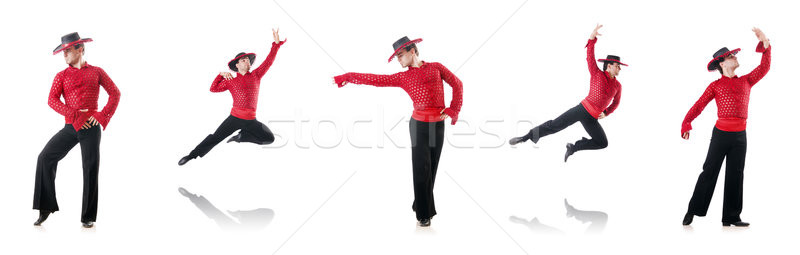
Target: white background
{"points": [[521, 62]]}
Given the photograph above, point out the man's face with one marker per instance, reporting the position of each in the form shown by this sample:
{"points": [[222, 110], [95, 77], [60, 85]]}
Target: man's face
{"points": [[405, 58], [613, 69], [730, 62], [244, 64], [72, 55]]}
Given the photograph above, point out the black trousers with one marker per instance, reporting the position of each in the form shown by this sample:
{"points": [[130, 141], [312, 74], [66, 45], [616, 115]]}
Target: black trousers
{"points": [[44, 194], [732, 147], [251, 131], [574, 114], [427, 140]]}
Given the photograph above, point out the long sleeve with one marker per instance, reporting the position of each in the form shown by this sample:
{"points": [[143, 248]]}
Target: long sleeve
{"points": [[697, 108], [614, 104], [54, 99], [262, 69], [590, 59], [762, 69], [458, 89], [219, 84], [377, 80], [111, 89]]}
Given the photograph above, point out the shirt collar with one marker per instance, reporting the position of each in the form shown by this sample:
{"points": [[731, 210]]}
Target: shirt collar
{"points": [[240, 74], [85, 64], [423, 64]]}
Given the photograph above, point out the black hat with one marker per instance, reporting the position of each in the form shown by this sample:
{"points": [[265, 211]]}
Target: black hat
{"points": [[612, 58], [719, 56], [402, 43], [232, 63], [69, 40]]}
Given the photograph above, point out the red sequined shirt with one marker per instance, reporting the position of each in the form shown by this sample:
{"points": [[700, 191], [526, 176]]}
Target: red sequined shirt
{"points": [[244, 88], [423, 84], [602, 88], [732, 96], [81, 89]]}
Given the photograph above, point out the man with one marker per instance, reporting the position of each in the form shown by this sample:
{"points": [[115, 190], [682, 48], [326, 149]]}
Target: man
{"points": [[603, 99], [729, 138], [244, 88], [79, 84], [423, 83]]}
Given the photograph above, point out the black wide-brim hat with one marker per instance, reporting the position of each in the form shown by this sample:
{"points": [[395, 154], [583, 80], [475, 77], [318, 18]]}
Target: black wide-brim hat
{"points": [[402, 43], [719, 56], [612, 58], [70, 40], [232, 63]]}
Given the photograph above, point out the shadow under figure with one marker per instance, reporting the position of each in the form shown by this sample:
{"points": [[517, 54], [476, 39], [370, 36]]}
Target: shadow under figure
{"points": [[597, 220], [242, 220]]}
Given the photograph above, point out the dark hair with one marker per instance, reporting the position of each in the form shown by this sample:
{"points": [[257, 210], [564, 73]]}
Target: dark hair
{"points": [[78, 46], [719, 68], [606, 63], [412, 46]]}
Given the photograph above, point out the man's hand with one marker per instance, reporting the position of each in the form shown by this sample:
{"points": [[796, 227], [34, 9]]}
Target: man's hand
{"points": [[761, 37], [685, 135], [91, 122], [226, 75], [595, 33], [444, 116], [275, 35], [602, 115]]}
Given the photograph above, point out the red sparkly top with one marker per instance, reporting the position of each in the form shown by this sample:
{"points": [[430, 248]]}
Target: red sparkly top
{"points": [[602, 88], [81, 89], [732, 96], [423, 84], [244, 88]]}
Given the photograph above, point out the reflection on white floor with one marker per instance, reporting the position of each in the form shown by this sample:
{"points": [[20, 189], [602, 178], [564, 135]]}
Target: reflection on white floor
{"points": [[248, 220], [597, 221]]}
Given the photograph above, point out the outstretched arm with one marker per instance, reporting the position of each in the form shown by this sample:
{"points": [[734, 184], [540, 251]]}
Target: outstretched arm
{"points": [[696, 109], [590, 59], [262, 69], [766, 57], [377, 80]]}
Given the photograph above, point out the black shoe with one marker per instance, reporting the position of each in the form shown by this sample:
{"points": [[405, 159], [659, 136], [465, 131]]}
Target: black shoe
{"points": [[87, 224], [687, 219], [735, 224], [425, 222], [237, 138], [569, 151], [42, 217], [517, 140], [184, 160]]}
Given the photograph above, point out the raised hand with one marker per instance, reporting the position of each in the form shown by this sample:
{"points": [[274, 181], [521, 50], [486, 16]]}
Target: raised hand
{"points": [[595, 33], [276, 36], [761, 37], [685, 135], [226, 75]]}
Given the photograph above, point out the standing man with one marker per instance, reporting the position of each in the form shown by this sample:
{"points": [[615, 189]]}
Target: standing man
{"points": [[244, 88], [423, 83], [603, 99], [79, 85], [729, 138]]}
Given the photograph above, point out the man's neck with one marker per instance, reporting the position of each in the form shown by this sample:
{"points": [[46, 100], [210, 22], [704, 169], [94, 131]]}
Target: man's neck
{"points": [[730, 73], [243, 73], [416, 63], [611, 75], [78, 64]]}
